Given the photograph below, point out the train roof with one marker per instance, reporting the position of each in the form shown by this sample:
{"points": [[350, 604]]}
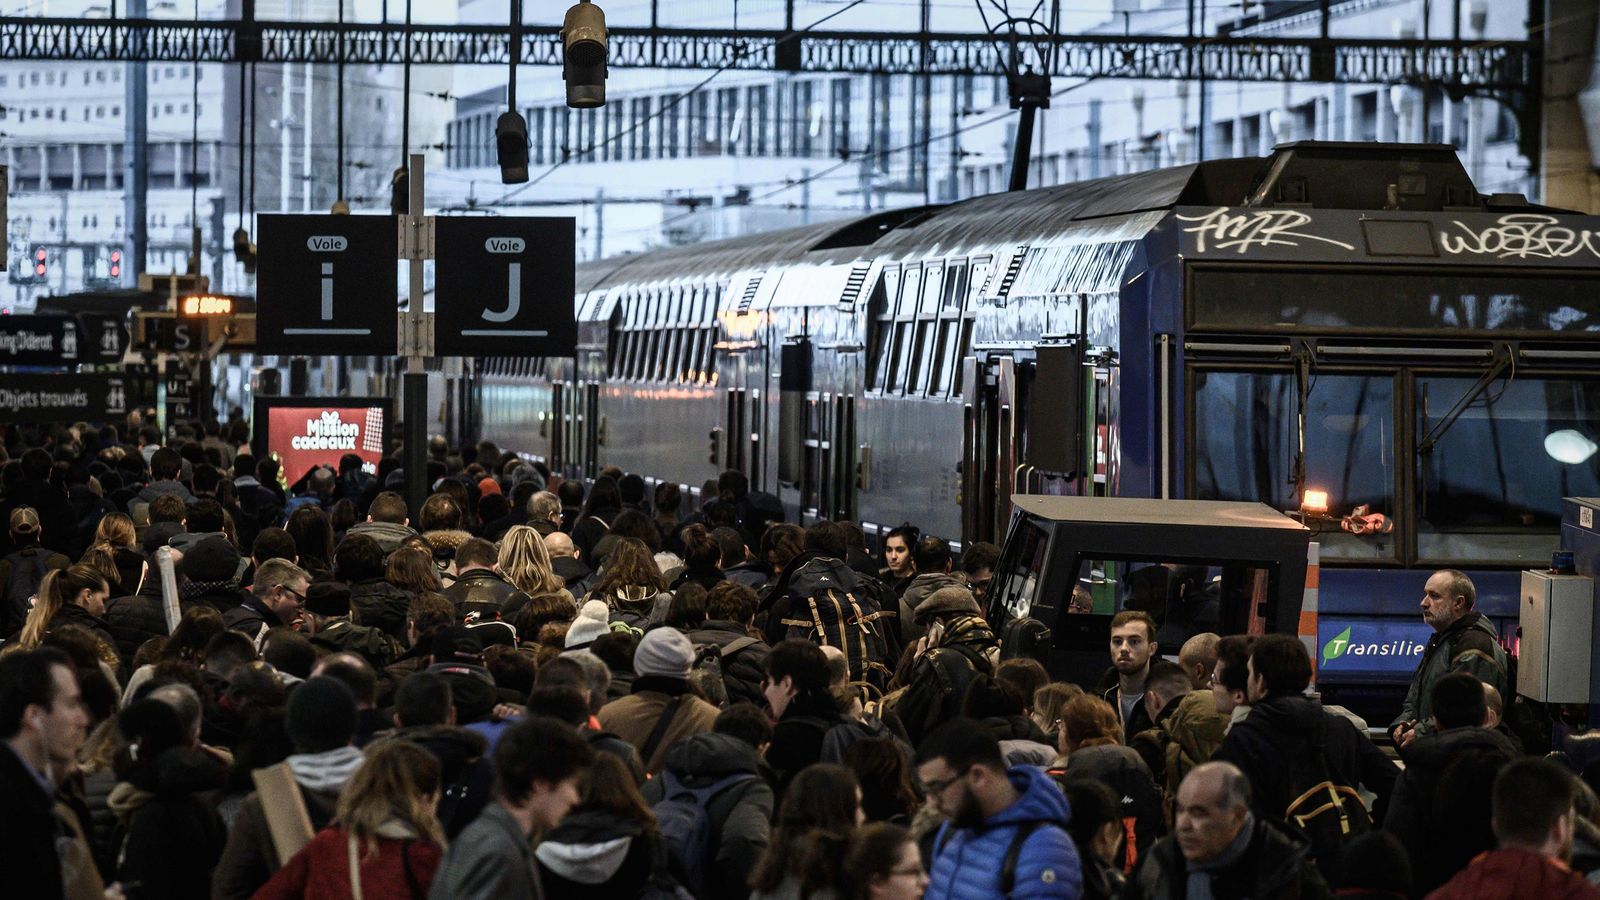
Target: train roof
{"points": [[1315, 174]]}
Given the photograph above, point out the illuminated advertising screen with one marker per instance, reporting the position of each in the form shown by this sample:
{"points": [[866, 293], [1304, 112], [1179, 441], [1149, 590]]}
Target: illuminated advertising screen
{"points": [[304, 432]]}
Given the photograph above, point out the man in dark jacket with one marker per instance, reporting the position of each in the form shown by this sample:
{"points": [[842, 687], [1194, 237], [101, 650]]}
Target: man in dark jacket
{"points": [[823, 557], [275, 599], [1285, 725], [327, 617], [1533, 820], [739, 813], [165, 465], [22, 571], [730, 608], [479, 588], [1464, 640], [1443, 819], [358, 562], [1220, 848], [1133, 646], [44, 718], [386, 522], [932, 562], [211, 568], [137, 618], [800, 701]]}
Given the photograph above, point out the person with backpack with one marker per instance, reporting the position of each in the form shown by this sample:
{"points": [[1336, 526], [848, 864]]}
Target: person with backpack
{"points": [[714, 810], [1439, 809], [801, 703], [1220, 848], [632, 586], [1091, 748], [660, 710], [741, 656], [424, 714], [1464, 640], [22, 570], [1188, 728], [1304, 763], [958, 647], [1005, 833], [821, 599], [931, 561]]}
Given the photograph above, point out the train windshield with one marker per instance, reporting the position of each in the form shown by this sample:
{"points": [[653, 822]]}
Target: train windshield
{"points": [[1245, 445], [1487, 464]]}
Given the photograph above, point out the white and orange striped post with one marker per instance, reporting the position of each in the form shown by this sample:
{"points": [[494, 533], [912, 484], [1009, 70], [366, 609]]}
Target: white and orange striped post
{"points": [[1308, 602]]}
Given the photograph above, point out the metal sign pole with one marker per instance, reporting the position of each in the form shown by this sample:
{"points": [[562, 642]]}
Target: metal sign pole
{"points": [[415, 383]]}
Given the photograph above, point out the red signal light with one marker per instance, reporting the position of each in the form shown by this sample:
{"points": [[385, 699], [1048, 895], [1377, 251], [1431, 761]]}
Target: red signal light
{"points": [[40, 254], [39, 269]]}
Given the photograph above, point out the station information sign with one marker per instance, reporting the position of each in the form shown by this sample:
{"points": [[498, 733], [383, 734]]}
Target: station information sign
{"points": [[503, 286], [327, 284]]}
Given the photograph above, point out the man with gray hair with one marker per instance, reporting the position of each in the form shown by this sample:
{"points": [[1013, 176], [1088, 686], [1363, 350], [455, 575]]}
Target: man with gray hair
{"points": [[1219, 848], [185, 702], [544, 513], [275, 599], [1464, 640]]}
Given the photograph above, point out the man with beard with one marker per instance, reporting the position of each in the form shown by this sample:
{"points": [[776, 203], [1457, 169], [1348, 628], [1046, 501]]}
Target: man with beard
{"points": [[1464, 640], [1533, 820], [1006, 830], [1133, 645]]}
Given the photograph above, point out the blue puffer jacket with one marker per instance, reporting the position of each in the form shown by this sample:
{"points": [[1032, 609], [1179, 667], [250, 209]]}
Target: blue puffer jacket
{"points": [[969, 865]]}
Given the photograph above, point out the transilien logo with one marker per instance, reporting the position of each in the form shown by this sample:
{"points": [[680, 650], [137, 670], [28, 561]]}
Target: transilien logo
{"points": [[1335, 648]]}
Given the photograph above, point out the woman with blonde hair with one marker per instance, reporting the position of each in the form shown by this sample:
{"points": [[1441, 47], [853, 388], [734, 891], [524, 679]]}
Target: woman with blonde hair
{"points": [[75, 595], [116, 538], [525, 563], [385, 841], [412, 569]]}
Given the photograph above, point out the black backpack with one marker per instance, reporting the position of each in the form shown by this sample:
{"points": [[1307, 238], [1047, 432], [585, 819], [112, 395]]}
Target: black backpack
{"points": [[1323, 809], [827, 607], [1142, 820], [938, 682], [20, 578], [1025, 638]]}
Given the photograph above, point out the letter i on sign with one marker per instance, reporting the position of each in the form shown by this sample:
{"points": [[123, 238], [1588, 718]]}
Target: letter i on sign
{"points": [[327, 292]]}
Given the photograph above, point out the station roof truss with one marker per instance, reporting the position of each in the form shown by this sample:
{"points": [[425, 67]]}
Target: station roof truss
{"points": [[1503, 67]]}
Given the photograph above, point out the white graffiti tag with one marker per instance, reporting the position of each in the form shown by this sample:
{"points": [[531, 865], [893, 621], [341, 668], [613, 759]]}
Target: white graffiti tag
{"points": [[1259, 228], [1522, 236]]}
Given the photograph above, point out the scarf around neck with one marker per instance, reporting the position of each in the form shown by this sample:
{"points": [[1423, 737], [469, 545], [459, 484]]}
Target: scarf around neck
{"points": [[1200, 873]]}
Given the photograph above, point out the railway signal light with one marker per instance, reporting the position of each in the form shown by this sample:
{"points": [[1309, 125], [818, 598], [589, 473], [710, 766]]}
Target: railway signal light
{"points": [[39, 260], [114, 267], [583, 55], [511, 147]]}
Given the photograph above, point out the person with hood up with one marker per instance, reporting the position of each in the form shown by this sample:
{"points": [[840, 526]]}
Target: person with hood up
{"points": [[931, 560], [1220, 848], [385, 829], [1443, 820], [958, 646], [169, 836], [1006, 830], [608, 845], [660, 710], [1286, 724], [359, 562], [998, 709], [386, 522], [321, 722], [739, 810]]}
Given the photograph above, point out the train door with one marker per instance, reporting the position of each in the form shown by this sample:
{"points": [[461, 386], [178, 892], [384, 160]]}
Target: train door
{"points": [[816, 438], [988, 445], [741, 445]]}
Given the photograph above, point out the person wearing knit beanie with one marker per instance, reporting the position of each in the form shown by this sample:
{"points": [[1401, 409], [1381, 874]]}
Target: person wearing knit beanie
{"points": [[593, 621], [321, 716], [661, 710]]}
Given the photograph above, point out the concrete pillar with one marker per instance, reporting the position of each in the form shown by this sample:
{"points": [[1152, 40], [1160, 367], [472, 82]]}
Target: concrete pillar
{"points": [[77, 167], [1568, 150], [178, 167], [111, 168], [44, 168]]}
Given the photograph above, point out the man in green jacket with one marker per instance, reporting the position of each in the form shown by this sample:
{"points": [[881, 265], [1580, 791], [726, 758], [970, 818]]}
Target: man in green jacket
{"points": [[1464, 640]]}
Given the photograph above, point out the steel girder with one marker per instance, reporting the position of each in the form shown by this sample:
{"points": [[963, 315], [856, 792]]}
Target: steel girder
{"points": [[1461, 66]]}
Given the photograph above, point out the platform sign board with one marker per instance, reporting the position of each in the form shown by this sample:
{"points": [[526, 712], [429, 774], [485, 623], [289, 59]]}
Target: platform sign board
{"points": [[63, 398], [104, 338], [39, 341], [327, 285], [503, 286]]}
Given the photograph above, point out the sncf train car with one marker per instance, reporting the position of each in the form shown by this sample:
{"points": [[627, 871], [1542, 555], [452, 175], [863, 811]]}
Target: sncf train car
{"points": [[1351, 329]]}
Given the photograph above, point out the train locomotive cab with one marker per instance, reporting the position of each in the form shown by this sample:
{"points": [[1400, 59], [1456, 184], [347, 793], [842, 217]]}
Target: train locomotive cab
{"points": [[1194, 565]]}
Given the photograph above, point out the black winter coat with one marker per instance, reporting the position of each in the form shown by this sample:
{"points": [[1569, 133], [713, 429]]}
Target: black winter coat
{"points": [[27, 834], [169, 844], [381, 605], [1273, 865], [483, 589], [135, 619], [741, 673], [73, 614], [739, 815], [1442, 833]]}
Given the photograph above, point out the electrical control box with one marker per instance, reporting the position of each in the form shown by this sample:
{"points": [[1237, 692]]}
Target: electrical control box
{"points": [[1557, 625]]}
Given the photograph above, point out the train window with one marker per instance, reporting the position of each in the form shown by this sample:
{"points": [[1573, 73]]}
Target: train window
{"points": [[932, 282], [636, 350], [909, 293], [947, 359], [617, 351], [1245, 446], [904, 350], [955, 288], [708, 356], [923, 364], [665, 364], [1490, 486]]}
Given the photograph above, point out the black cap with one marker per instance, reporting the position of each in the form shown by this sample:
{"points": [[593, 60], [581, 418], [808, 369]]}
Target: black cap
{"points": [[328, 598], [214, 558]]}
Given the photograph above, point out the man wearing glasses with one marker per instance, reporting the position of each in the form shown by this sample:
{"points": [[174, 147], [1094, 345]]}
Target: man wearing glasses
{"points": [[276, 597], [1005, 833]]}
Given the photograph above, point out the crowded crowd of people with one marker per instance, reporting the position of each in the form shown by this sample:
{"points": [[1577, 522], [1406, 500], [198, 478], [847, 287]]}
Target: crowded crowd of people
{"points": [[214, 684]]}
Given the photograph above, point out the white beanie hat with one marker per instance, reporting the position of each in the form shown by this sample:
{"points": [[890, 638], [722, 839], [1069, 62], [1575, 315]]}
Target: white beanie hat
{"points": [[593, 621]]}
